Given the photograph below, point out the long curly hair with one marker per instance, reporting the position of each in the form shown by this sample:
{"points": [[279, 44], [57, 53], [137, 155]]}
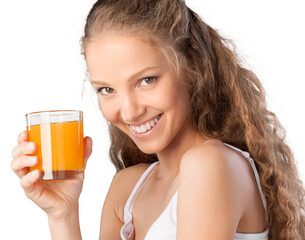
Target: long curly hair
{"points": [[227, 101]]}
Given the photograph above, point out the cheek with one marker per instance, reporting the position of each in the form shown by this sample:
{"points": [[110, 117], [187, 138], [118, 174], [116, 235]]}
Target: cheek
{"points": [[174, 98], [163, 98], [108, 110]]}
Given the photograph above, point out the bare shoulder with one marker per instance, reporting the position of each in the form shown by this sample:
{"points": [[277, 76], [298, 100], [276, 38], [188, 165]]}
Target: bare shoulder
{"points": [[128, 177], [112, 218], [208, 192], [123, 184], [208, 163], [212, 152], [214, 160]]}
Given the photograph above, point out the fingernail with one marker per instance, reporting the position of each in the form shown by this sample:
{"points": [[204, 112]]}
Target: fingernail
{"points": [[35, 173]]}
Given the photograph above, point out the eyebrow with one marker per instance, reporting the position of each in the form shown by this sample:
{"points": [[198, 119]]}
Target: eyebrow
{"points": [[129, 79]]}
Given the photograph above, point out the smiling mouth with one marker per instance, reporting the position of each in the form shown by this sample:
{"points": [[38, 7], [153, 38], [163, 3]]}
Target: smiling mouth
{"points": [[145, 127]]}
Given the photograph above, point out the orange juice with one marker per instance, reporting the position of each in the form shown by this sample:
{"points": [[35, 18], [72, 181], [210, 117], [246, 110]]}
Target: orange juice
{"points": [[59, 149]]}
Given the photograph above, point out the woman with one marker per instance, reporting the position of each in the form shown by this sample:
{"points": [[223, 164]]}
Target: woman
{"points": [[198, 154]]}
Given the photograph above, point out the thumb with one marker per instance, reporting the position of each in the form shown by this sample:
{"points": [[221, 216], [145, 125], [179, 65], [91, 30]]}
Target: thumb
{"points": [[87, 149]]}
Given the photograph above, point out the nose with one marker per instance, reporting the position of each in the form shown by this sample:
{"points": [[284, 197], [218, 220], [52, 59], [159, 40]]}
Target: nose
{"points": [[131, 108]]}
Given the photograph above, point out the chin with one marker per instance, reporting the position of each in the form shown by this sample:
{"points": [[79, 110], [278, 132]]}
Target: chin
{"points": [[150, 149], [147, 150]]}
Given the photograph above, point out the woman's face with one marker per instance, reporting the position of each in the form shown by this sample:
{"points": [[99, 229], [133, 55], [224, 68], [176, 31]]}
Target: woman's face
{"points": [[138, 91]]}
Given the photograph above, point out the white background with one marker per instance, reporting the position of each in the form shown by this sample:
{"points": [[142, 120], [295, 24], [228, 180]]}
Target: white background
{"points": [[41, 68]]}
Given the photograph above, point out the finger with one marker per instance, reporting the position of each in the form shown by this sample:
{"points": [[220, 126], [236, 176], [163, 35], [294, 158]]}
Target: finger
{"points": [[20, 165], [27, 182], [87, 149], [23, 149], [22, 137]]}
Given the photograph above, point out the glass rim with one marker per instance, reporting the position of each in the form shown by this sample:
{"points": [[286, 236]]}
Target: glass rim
{"points": [[53, 111]]}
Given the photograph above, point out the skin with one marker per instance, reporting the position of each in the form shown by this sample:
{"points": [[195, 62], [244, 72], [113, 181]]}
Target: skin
{"points": [[128, 96]]}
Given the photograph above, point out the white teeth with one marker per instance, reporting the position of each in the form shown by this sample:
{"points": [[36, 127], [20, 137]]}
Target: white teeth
{"points": [[138, 129], [148, 126], [145, 127]]}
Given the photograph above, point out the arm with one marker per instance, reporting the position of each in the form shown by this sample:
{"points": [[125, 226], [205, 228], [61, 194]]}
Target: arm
{"points": [[208, 201], [111, 223], [67, 228]]}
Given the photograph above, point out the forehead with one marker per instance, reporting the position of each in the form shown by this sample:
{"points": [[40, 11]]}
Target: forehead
{"points": [[118, 52]]}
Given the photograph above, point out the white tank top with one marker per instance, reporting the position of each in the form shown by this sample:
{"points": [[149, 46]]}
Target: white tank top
{"points": [[165, 227]]}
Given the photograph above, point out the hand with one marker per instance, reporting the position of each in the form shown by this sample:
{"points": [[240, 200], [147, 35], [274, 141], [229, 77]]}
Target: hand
{"points": [[56, 198]]}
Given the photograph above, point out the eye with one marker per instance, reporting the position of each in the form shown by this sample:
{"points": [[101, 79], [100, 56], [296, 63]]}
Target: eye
{"points": [[148, 80], [105, 90]]}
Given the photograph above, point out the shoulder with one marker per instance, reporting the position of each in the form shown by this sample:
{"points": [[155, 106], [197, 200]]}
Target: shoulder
{"points": [[122, 185], [212, 153], [127, 178], [112, 218], [215, 164], [206, 163], [208, 190], [133, 173], [214, 160]]}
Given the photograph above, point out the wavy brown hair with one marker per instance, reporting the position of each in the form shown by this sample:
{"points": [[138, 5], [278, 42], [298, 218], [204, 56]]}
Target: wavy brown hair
{"points": [[227, 101]]}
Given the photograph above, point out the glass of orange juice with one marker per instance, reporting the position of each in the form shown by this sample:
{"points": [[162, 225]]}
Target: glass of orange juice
{"points": [[59, 143]]}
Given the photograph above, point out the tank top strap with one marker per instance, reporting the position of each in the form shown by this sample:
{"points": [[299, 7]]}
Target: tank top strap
{"points": [[252, 163], [128, 205]]}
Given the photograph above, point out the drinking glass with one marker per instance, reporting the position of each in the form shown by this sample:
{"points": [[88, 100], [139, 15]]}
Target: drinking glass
{"points": [[59, 143]]}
